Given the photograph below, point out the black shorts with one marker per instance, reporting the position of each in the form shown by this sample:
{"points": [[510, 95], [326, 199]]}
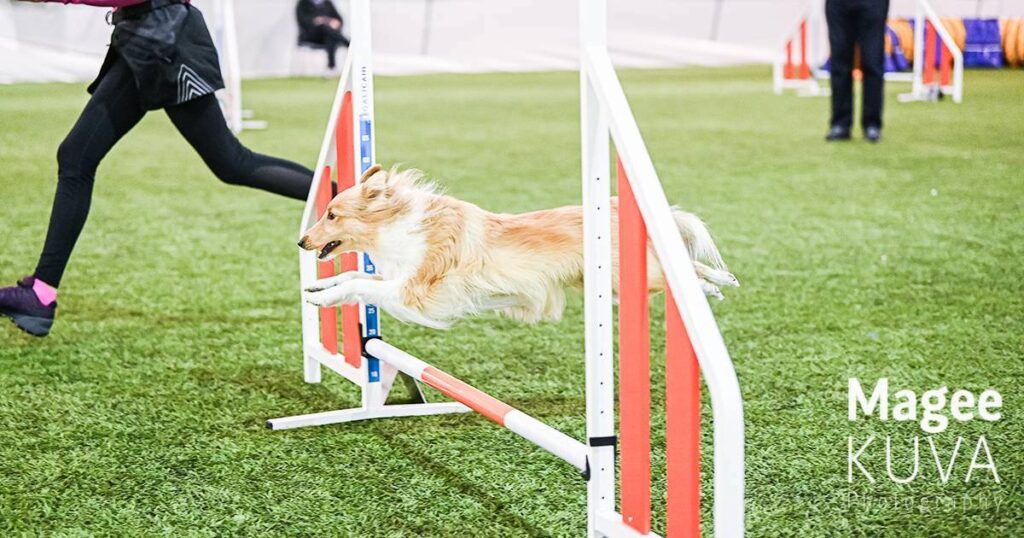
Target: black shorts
{"points": [[170, 53]]}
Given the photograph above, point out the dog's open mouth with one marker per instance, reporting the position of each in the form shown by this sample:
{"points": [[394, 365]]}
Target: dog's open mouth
{"points": [[324, 252]]}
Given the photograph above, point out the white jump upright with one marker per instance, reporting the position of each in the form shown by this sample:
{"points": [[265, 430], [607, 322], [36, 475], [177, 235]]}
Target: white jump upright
{"points": [[347, 151], [225, 37], [926, 85], [604, 111], [795, 70], [693, 342]]}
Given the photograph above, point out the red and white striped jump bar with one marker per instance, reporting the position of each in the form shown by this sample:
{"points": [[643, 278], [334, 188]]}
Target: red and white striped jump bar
{"points": [[568, 449]]}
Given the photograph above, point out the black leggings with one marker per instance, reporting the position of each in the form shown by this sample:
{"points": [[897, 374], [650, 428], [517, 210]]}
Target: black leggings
{"points": [[857, 22], [111, 112]]}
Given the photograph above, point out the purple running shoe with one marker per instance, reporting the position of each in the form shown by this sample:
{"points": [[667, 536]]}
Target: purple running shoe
{"points": [[21, 304]]}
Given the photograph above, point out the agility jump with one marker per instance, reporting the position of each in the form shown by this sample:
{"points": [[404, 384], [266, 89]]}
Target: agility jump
{"points": [[932, 45], [693, 341]]}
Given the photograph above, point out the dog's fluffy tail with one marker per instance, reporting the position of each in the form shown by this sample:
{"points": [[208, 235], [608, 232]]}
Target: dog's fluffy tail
{"points": [[698, 239]]}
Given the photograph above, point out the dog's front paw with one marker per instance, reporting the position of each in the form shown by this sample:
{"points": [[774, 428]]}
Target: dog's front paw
{"points": [[326, 283], [318, 298]]}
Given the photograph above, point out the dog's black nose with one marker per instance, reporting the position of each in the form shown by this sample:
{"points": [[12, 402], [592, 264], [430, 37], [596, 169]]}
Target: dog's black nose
{"points": [[302, 243]]}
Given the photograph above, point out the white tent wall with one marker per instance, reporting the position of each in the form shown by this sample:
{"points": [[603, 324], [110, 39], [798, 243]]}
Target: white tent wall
{"points": [[70, 28], [7, 30], [56, 42], [527, 35], [50, 43]]}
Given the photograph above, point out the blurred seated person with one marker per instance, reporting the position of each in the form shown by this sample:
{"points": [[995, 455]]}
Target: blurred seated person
{"points": [[320, 24]]}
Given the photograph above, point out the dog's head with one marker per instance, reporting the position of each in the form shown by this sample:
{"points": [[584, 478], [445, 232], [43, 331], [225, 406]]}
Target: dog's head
{"points": [[355, 215]]}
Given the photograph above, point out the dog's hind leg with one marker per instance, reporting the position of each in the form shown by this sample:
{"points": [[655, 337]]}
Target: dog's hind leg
{"points": [[402, 312], [719, 277], [330, 282], [711, 290]]}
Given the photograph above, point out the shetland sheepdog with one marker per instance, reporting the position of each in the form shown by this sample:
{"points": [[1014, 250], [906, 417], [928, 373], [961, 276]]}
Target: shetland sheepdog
{"points": [[439, 259]]}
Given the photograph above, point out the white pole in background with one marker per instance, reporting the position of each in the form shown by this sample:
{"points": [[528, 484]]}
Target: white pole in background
{"points": [[225, 36], [230, 64], [917, 89]]}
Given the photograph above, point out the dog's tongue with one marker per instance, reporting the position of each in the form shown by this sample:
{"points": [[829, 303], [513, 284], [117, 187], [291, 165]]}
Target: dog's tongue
{"points": [[328, 249]]}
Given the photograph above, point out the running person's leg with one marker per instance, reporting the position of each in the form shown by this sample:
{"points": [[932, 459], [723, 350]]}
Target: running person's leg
{"points": [[841, 32], [871, 38], [202, 123], [111, 112], [333, 40]]}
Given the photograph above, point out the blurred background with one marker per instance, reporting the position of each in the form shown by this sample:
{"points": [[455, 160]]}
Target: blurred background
{"points": [[50, 43]]}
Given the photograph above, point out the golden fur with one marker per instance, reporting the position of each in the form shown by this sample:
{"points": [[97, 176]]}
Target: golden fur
{"points": [[440, 258]]}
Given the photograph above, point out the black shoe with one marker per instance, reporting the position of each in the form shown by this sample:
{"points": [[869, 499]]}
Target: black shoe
{"points": [[837, 133], [872, 134], [21, 305]]}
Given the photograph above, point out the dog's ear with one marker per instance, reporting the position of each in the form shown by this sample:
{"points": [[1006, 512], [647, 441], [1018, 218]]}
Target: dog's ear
{"points": [[375, 184], [370, 172], [374, 190]]}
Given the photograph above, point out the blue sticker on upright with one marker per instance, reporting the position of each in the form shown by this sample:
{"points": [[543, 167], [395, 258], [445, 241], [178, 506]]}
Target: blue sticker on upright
{"points": [[370, 311], [365, 142], [372, 322]]}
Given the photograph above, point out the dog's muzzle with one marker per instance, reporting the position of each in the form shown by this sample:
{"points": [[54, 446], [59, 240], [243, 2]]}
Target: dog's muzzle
{"points": [[324, 252]]}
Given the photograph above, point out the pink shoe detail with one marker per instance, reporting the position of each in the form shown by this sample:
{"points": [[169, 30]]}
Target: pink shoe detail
{"points": [[46, 293]]}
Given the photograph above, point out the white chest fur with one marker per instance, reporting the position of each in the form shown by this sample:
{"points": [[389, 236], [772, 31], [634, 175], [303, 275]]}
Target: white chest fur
{"points": [[400, 247]]}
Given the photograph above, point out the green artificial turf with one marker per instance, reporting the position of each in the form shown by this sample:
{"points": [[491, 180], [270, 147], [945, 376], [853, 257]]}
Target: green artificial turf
{"points": [[178, 334]]}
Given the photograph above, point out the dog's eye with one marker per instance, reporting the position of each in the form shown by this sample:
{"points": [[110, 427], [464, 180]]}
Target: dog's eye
{"points": [[330, 215]]}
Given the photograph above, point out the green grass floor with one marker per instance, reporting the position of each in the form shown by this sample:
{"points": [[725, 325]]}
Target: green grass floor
{"points": [[178, 334]]}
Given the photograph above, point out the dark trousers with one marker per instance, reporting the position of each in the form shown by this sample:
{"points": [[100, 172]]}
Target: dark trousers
{"points": [[329, 38], [112, 111], [850, 23]]}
